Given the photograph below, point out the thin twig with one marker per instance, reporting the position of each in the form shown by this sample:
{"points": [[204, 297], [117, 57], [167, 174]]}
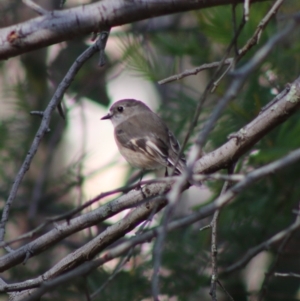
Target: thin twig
{"points": [[246, 10], [194, 71], [234, 25], [214, 241], [40, 114], [115, 272], [205, 227], [225, 291], [27, 235], [103, 37], [214, 253], [263, 23], [287, 275], [35, 7], [79, 170], [236, 84], [217, 81], [44, 170]]}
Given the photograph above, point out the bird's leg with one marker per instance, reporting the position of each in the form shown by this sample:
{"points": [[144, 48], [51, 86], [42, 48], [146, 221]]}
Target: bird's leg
{"points": [[138, 186]]}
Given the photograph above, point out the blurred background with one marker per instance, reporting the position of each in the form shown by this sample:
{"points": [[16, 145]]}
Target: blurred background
{"points": [[78, 158]]}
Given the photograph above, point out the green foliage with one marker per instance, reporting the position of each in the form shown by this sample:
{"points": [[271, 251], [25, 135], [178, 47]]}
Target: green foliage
{"points": [[178, 114], [141, 58]]}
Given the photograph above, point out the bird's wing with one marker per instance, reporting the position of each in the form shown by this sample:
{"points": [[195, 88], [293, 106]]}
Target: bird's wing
{"points": [[140, 135]]}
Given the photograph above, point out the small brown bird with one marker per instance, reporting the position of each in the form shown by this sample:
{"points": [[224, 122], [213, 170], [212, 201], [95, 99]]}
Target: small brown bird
{"points": [[142, 137]]}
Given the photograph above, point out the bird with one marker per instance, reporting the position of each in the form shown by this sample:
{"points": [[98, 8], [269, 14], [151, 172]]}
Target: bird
{"points": [[143, 138]]}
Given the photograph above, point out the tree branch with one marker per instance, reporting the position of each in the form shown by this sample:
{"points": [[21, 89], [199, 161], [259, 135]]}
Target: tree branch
{"points": [[286, 103], [135, 216], [132, 198], [37, 8], [58, 26]]}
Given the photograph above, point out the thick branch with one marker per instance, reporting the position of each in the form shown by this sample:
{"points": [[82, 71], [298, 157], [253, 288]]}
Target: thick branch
{"points": [[132, 198], [287, 102], [58, 26]]}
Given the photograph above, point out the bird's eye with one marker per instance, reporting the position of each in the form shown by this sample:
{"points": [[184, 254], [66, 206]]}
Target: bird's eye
{"points": [[120, 109]]}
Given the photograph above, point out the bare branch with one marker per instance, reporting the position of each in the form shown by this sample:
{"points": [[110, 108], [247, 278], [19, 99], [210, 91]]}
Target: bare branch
{"points": [[287, 275], [193, 71], [234, 25], [117, 269], [246, 10], [40, 114], [103, 37], [214, 253], [214, 243], [61, 25], [263, 23], [225, 291], [44, 171], [35, 7]]}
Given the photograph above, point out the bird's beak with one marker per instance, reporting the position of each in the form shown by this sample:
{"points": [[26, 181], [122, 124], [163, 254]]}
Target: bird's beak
{"points": [[108, 116]]}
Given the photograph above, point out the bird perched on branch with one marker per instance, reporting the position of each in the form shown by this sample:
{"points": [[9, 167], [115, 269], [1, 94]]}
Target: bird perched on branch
{"points": [[143, 138]]}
